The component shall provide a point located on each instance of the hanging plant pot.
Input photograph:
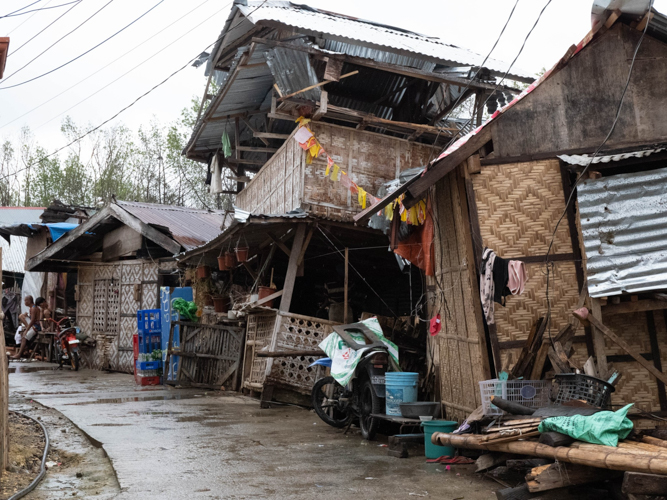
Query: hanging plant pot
(208, 299)
(221, 304)
(242, 254)
(230, 260)
(203, 272)
(222, 263)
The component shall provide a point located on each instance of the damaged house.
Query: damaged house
(315, 115)
(506, 187)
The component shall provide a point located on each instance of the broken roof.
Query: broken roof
(170, 227)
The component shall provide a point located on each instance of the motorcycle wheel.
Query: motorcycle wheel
(74, 360)
(324, 398)
(369, 403)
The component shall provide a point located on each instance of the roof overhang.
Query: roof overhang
(4, 47)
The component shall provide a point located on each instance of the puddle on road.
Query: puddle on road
(134, 399)
(30, 369)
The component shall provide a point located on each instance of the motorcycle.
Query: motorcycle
(364, 395)
(67, 345)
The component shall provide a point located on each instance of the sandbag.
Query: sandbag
(605, 427)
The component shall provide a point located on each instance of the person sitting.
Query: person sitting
(32, 322)
(47, 314)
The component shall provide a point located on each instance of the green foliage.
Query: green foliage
(146, 165)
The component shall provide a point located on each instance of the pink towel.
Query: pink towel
(517, 276)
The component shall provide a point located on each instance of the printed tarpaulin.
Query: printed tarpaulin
(344, 359)
(605, 427)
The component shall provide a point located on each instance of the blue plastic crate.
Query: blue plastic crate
(149, 342)
(149, 365)
(148, 321)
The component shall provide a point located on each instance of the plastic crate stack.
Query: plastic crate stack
(148, 348)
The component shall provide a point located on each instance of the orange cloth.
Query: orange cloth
(418, 247)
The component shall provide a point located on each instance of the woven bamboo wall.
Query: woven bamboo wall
(519, 205)
(456, 350)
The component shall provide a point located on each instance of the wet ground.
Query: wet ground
(185, 443)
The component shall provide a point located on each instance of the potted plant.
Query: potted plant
(242, 251)
(203, 272)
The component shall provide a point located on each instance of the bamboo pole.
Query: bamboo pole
(655, 441)
(606, 458)
(4, 394)
(345, 290)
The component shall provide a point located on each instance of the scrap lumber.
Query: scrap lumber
(555, 439)
(526, 463)
(605, 457)
(655, 441)
(639, 483)
(528, 352)
(540, 360)
(589, 367)
(490, 460)
(511, 406)
(584, 314)
(559, 475)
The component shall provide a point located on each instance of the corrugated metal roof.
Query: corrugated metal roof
(624, 226)
(13, 256)
(346, 28)
(583, 160)
(191, 227)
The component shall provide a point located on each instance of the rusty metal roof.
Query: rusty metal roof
(191, 227)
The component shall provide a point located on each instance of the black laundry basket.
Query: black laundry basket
(576, 386)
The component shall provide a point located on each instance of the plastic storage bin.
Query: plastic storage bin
(530, 393)
(148, 321)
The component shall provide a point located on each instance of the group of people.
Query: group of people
(36, 320)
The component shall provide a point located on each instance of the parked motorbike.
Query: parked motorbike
(67, 345)
(364, 395)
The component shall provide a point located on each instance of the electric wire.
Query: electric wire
(19, 10)
(128, 71)
(40, 9)
(55, 43)
(107, 65)
(26, 20)
(590, 162)
(44, 29)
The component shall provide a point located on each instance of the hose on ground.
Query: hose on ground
(42, 472)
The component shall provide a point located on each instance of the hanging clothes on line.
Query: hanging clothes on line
(216, 175)
(499, 278)
(517, 277)
(486, 285)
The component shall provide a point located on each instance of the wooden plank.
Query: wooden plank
(270, 135)
(309, 236)
(540, 360)
(639, 483)
(366, 214)
(121, 242)
(311, 87)
(584, 314)
(253, 149)
(280, 245)
(490, 460)
(292, 267)
(633, 307)
(266, 299)
(289, 354)
(252, 129)
(598, 339)
(442, 167)
(572, 224)
(149, 232)
(589, 367)
(560, 474)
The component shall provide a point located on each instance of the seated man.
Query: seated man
(32, 323)
(47, 314)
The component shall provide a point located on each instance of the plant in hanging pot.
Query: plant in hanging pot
(203, 272)
(222, 263)
(230, 260)
(221, 303)
(242, 250)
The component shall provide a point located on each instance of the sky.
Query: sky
(175, 31)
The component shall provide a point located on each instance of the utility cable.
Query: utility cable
(56, 42)
(44, 29)
(128, 71)
(19, 10)
(29, 18)
(106, 66)
(37, 10)
(86, 52)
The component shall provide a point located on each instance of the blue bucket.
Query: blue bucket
(401, 387)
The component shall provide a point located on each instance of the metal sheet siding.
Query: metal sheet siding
(624, 227)
(13, 256)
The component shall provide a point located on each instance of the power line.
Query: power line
(29, 18)
(104, 67)
(58, 41)
(37, 10)
(130, 70)
(22, 8)
(44, 29)
(88, 51)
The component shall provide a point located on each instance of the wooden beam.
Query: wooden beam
(290, 354)
(633, 307)
(266, 299)
(639, 483)
(561, 474)
(280, 245)
(322, 110)
(598, 340)
(270, 135)
(149, 232)
(583, 314)
(311, 87)
(252, 149)
(247, 124)
(288, 288)
(657, 362)
(441, 168)
(309, 236)
(366, 214)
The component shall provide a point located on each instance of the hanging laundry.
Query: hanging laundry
(517, 276)
(330, 164)
(346, 181)
(302, 135)
(335, 172)
(500, 279)
(216, 176)
(435, 325)
(486, 285)
(226, 145)
(361, 197)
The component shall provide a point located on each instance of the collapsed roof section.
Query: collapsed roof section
(273, 58)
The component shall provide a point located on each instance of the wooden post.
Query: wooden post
(4, 393)
(598, 340)
(345, 296)
(292, 268)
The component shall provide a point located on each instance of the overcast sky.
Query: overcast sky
(473, 24)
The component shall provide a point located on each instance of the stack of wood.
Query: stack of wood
(528, 463)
